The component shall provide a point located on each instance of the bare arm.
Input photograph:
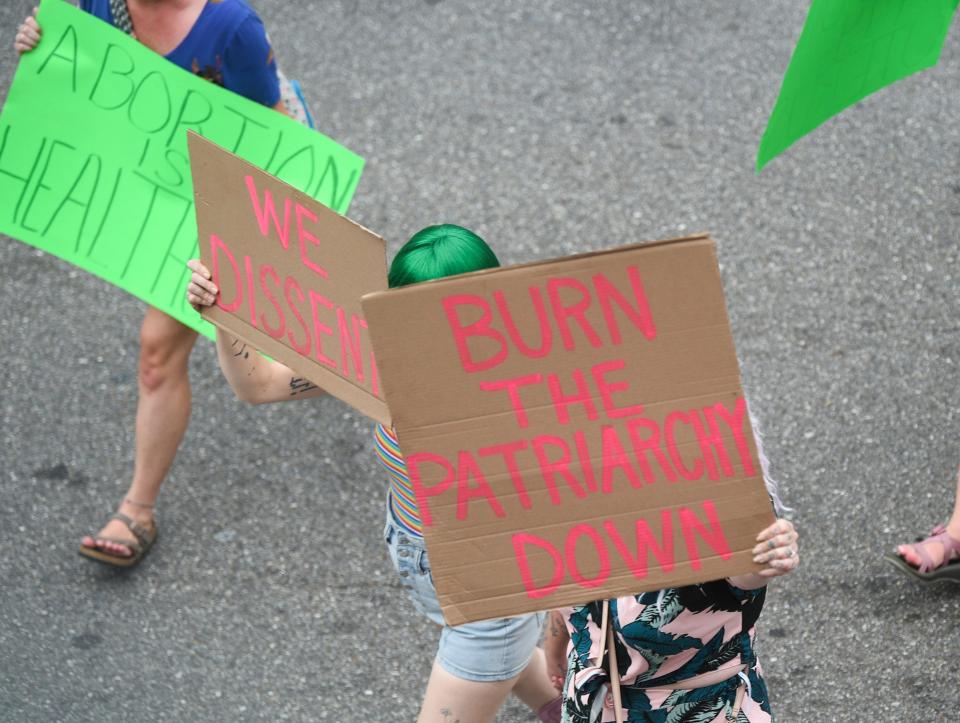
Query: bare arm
(254, 378)
(555, 648)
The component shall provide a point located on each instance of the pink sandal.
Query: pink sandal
(947, 571)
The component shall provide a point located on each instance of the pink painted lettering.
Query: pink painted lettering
(714, 537)
(480, 328)
(268, 212)
(320, 328)
(305, 237)
(603, 571)
(662, 550)
(550, 469)
(216, 246)
(424, 492)
(275, 331)
(513, 390)
(640, 316)
(608, 389)
(561, 402)
(467, 469)
(508, 451)
(576, 310)
(524, 540)
(673, 449)
(291, 285)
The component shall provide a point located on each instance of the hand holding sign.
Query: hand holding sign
(777, 549)
(201, 291)
(28, 34)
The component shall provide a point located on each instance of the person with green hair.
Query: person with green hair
(478, 664)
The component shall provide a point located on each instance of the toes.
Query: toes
(113, 548)
(908, 553)
(913, 557)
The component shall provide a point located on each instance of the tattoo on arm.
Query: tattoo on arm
(243, 349)
(558, 626)
(298, 385)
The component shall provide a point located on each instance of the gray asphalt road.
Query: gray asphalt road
(549, 127)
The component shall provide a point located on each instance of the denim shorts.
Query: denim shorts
(489, 650)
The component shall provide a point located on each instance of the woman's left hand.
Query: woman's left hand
(777, 549)
(201, 291)
(28, 34)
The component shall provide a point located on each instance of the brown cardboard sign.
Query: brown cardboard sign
(573, 429)
(291, 273)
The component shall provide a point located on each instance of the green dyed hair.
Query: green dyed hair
(438, 251)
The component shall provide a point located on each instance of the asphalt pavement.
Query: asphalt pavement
(550, 128)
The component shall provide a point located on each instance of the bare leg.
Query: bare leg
(935, 549)
(450, 699)
(533, 685)
(163, 411)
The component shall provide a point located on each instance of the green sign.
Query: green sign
(93, 156)
(848, 50)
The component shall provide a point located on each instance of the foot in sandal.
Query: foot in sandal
(933, 558)
(126, 537)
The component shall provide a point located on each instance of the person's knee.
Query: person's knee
(163, 358)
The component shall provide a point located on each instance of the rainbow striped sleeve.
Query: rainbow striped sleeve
(403, 503)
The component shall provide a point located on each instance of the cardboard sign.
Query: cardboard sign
(573, 429)
(290, 273)
(93, 155)
(848, 50)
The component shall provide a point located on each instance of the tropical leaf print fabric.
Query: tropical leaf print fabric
(661, 640)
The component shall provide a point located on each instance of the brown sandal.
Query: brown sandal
(145, 538)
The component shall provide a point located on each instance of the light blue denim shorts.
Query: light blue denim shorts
(486, 651)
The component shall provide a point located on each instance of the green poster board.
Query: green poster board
(849, 49)
(93, 156)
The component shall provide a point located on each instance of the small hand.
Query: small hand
(28, 34)
(201, 291)
(777, 548)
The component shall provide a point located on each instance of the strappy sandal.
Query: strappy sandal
(138, 549)
(937, 529)
(947, 571)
